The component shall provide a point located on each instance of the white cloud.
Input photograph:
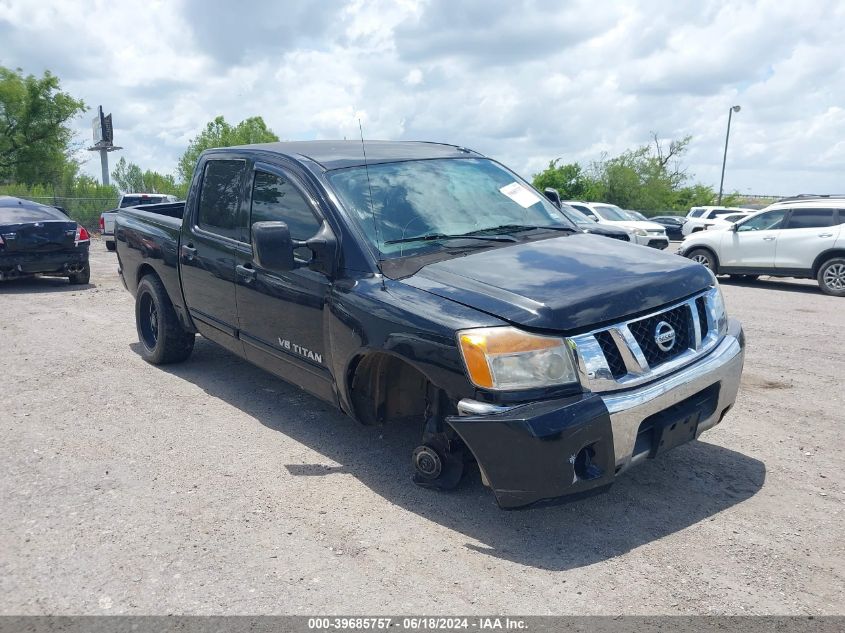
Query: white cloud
(524, 81)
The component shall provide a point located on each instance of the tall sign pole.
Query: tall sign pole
(103, 140)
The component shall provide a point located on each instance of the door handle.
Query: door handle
(825, 234)
(247, 272)
(768, 239)
(188, 252)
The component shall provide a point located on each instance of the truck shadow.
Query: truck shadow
(774, 283)
(35, 285)
(661, 497)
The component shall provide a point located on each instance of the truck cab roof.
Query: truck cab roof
(331, 155)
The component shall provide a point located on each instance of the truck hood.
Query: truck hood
(564, 283)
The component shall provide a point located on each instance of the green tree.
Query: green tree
(650, 178)
(219, 133)
(569, 179)
(129, 177)
(35, 139)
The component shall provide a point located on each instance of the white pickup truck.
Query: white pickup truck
(128, 200)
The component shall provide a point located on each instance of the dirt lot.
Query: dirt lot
(212, 487)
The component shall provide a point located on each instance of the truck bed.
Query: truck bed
(147, 237)
(170, 209)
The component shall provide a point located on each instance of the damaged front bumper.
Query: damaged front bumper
(549, 449)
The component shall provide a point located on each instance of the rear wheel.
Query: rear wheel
(163, 339)
(82, 277)
(703, 257)
(111, 246)
(831, 277)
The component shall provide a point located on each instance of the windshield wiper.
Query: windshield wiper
(514, 228)
(444, 236)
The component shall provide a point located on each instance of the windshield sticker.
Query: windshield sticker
(520, 194)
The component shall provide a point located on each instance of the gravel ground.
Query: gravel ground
(213, 488)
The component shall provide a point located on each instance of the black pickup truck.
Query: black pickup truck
(426, 283)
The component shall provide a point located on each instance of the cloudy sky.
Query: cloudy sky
(522, 81)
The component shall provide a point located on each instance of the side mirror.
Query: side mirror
(594, 218)
(324, 247)
(553, 196)
(734, 227)
(272, 246)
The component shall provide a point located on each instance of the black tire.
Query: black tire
(831, 277)
(111, 246)
(82, 277)
(163, 339)
(704, 257)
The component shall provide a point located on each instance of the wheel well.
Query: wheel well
(385, 388)
(821, 259)
(710, 251)
(143, 271)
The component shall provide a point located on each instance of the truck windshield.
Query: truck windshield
(438, 198)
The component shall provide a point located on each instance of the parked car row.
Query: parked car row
(642, 232)
(673, 224)
(703, 218)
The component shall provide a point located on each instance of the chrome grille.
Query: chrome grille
(611, 352)
(626, 354)
(679, 318)
(701, 308)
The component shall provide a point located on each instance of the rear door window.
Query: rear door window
(220, 197)
(810, 218)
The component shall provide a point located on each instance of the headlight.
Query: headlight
(640, 232)
(508, 358)
(717, 305)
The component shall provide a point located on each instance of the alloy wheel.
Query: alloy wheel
(834, 277)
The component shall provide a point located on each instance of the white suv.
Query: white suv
(644, 233)
(795, 237)
(703, 218)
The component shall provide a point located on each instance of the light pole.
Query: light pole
(731, 110)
